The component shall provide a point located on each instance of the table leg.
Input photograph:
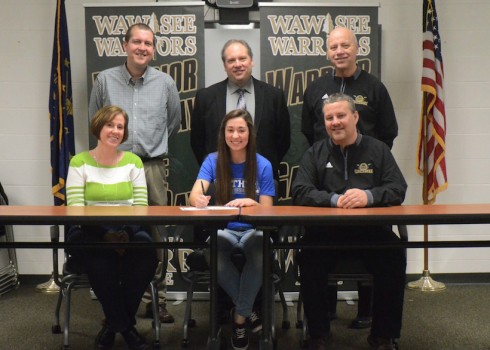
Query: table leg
(213, 341)
(266, 341)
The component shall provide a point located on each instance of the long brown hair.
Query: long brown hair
(223, 167)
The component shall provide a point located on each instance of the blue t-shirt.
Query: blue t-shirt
(264, 183)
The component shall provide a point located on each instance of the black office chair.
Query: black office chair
(74, 277)
(348, 269)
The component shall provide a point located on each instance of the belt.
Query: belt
(149, 159)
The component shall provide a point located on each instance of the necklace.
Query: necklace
(112, 162)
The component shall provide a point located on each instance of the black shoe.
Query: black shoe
(105, 339)
(320, 343)
(165, 316)
(361, 322)
(379, 343)
(134, 340)
(254, 322)
(239, 336)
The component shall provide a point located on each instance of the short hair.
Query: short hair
(236, 41)
(141, 26)
(339, 97)
(351, 34)
(105, 115)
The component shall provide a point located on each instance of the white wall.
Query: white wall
(27, 28)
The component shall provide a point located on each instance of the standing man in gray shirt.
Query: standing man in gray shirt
(152, 102)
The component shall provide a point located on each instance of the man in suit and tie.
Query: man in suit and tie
(265, 103)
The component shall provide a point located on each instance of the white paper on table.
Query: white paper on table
(213, 207)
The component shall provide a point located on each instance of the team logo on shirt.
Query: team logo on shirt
(360, 100)
(364, 168)
(238, 186)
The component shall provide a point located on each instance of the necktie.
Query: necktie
(241, 99)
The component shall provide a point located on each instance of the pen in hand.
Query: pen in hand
(204, 194)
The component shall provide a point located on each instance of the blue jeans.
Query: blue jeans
(241, 287)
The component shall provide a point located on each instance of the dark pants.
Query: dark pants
(119, 281)
(388, 267)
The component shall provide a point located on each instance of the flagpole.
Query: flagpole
(425, 283)
(61, 118)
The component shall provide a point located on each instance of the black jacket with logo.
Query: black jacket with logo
(376, 112)
(367, 165)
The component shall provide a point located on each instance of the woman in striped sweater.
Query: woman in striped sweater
(106, 176)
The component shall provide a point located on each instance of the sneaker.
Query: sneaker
(239, 336)
(254, 322)
(379, 343)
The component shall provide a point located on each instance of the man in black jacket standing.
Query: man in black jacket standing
(265, 103)
(373, 102)
(349, 170)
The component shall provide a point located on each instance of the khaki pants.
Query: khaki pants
(156, 181)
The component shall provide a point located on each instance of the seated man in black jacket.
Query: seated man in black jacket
(349, 170)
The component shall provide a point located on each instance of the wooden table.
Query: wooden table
(404, 214)
(152, 215)
(258, 216)
(58, 215)
(399, 215)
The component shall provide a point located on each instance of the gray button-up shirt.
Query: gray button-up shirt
(152, 103)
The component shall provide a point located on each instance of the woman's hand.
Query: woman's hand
(241, 202)
(198, 197)
(201, 201)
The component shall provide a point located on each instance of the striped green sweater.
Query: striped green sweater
(91, 184)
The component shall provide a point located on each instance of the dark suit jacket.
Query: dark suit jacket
(271, 121)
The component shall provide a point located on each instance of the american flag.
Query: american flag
(431, 151)
(60, 107)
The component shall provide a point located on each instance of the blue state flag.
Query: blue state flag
(60, 107)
